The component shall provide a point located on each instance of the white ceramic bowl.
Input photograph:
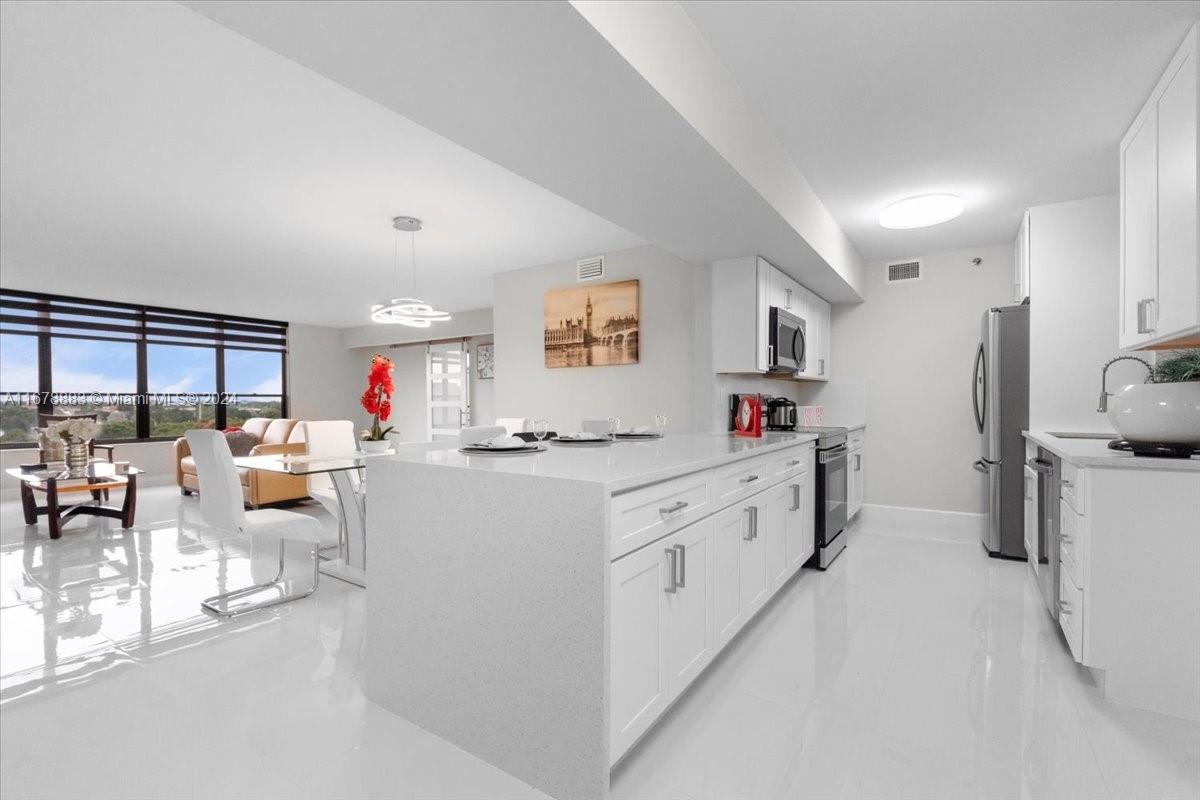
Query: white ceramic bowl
(1157, 412)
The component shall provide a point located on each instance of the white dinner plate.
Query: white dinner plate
(473, 450)
(583, 442)
(636, 436)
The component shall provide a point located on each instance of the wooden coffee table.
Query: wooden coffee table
(56, 480)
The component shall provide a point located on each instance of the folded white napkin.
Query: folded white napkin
(583, 436)
(503, 443)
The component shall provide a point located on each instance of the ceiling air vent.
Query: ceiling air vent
(589, 269)
(904, 271)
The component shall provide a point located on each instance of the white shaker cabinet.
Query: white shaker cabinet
(743, 292)
(1160, 210)
(854, 474)
(1021, 262)
(662, 632)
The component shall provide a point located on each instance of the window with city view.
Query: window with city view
(146, 373)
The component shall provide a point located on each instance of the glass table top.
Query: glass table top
(97, 472)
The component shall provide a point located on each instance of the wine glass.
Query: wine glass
(614, 425)
(540, 427)
(660, 423)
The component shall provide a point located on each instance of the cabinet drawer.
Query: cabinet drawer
(1070, 614)
(1073, 544)
(855, 437)
(643, 515)
(1074, 487)
(793, 462)
(739, 480)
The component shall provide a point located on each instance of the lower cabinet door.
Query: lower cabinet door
(638, 677)
(772, 525)
(730, 527)
(756, 585)
(800, 522)
(687, 613)
(1030, 490)
(854, 482)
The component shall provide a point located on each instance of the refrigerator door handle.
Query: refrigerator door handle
(980, 466)
(979, 381)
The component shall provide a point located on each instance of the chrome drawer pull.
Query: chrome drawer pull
(795, 463)
(795, 497)
(680, 506)
(750, 479)
(752, 530)
(682, 558)
(673, 557)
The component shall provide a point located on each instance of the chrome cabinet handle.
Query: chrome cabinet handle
(795, 497)
(673, 557)
(679, 506)
(770, 355)
(857, 462)
(794, 463)
(752, 529)
(820, 366)
(1064, 607)
(789, 300)
(1065, 482)
(750, 479)
(1143, 315)
(682, 559)
(1067, 539)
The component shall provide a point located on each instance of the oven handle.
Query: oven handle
(833, 454)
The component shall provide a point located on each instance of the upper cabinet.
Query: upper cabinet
(1160, 211)
(744, 291)
(1021, 262)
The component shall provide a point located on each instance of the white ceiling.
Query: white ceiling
(149, 154)
(1008, 104)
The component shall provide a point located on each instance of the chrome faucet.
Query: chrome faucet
(1104, 393)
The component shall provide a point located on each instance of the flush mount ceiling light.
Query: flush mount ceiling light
(406, 310)
(921, 212)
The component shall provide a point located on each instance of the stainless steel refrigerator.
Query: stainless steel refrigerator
(1000, 402)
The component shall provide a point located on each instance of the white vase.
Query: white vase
(1167, 413)
(374, 447)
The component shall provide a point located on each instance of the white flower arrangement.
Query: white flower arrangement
(76, 430)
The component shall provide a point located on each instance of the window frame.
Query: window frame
(227, 332)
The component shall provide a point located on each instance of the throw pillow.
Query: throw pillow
(240, 443)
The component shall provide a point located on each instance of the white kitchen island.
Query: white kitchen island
(543, 611)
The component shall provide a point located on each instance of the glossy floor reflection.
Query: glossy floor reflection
(912, 669)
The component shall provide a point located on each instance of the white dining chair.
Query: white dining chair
(513, 425)
(600, 426)
(333, 437)
(221, 508)
(479, 433)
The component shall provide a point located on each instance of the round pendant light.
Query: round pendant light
(921, 212)
(410, 311)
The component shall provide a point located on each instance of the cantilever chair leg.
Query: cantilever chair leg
(214, 604)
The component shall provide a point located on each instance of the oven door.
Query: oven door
(832, 465)
(788, 341)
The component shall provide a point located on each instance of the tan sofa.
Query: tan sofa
(259, 488)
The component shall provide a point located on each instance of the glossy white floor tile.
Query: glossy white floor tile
(911, 669)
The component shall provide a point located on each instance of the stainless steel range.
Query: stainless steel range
(831, 495)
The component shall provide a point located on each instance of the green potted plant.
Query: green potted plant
(1165, 409)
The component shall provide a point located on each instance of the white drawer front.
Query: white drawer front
(1074, 487)
(855, 437)
(740, 480)
(643, 515)
(793, 462)
(1070, 614)
(1073, 544)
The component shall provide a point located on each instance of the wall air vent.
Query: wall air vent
(589, 269)
(904, 271)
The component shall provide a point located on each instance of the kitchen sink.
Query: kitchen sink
(1063, 435)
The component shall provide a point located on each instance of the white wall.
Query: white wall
(323, 377)
(1074, 280)
(662, 381)
(911, 345)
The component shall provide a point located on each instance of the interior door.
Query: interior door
(448, 388)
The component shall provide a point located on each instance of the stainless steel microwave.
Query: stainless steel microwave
(788, 342)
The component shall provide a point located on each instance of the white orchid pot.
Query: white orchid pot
(1160, 413)
(375, 446)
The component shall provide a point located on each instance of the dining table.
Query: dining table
(350, 565)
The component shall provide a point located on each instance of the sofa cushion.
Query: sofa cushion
(187, 465)
(277, 432)
(240, 443)
(256, 426)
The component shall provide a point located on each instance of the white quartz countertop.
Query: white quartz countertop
(619, 466)
(1095, 453)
